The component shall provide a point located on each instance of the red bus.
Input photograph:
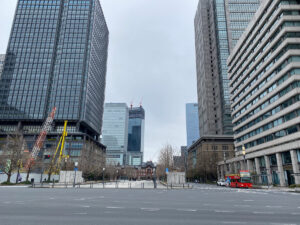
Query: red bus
(241, 180)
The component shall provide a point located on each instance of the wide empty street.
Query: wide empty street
(205, 204)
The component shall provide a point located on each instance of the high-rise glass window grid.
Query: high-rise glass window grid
(2, 58)
(136, 129)
(240, 13)
(56, 56)
(192, 123)
(27, 71)
(134, 134)
(223, 53)
(115, 131)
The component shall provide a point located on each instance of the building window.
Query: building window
(298, 154)
(262, 162)
(273, 160)
(225, 147)
(215, 147)
(286, 158)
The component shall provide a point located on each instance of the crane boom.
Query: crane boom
(42, 136)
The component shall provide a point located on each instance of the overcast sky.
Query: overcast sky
(151, 60)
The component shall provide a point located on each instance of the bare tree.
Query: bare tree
(92, 160)
(12, 152)
(165, 160)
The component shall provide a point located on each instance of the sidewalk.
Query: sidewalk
(272, 188)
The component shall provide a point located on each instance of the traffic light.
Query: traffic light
(47, 156)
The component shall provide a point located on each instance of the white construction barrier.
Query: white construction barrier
(176, 178)
(68, 177)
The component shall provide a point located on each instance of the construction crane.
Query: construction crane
(55, 165)
(41, 139)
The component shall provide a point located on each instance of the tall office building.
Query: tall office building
(2, 58)
(238, 13)
(192, 123)
(264, 72)
(208, 76)
(136, 130)
(56, 56)
(115, 132)
(218, 25)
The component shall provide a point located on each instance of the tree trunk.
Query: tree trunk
(8, 177)
(18, 174)
(28, 172)
(49, 174)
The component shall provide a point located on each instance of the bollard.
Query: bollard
(130, 185)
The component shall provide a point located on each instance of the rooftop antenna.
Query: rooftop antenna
(141, 102)
(131, 104)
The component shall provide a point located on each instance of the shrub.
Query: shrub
(7, 183)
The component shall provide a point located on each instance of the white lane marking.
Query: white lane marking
(6, 202)
(273, 206)
(248, 200)
(299, 207)
(232, 222)
(295, 214)
(224, 211)
(86, 206)
(79, 213)
(263, 212)
(150, 209)
(283, 224)
(242, 205)
(79, 199)
(114, 207)
(51, 198)
(187, 210)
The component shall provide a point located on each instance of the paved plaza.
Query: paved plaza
(205, 204)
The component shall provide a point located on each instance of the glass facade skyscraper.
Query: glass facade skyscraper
(56, 56)
(115, 132)
(192, 123)
(136, 126)
(239, 14)
(223, 53)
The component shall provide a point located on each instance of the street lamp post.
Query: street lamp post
(103, 169)
(244, 155)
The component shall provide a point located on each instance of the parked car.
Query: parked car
(221, 182)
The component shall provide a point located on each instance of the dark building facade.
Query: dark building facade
(56, 56)
(2, 59)
(136, 126)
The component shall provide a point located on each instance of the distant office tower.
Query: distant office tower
(264, 72)
(56, 56)
(136, 127)
(238, 13)
(192, 123)
(2, 58)
(115, 132)
(215, 20)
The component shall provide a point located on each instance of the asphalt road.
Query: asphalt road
(204, 204)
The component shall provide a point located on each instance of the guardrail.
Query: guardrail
(114, 185)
